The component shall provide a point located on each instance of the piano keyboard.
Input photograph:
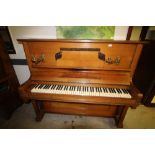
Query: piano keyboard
(81, 90)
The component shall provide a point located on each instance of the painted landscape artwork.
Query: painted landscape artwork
(85, 32)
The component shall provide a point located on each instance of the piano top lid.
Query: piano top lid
(82, 41)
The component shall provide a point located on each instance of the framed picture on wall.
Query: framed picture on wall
(85, 32)
(4, 33)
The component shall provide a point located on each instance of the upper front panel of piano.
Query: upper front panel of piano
(83, 55)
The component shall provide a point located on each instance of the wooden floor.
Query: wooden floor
(24, 117)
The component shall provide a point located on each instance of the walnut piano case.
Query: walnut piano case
(81, 64)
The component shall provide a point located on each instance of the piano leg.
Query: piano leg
(120, 116)
(38, 109)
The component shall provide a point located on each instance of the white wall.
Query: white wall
(22, 72)
(121, 32)
(19, 32)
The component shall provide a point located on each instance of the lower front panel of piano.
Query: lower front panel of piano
(116, 111)
(80, 109)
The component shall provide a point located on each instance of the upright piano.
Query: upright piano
(81, 77)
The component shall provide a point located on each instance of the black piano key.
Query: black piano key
(57, 87)
(35, 86)
(113, 90)
(100, 90)
(79, 88)
(47, 86)
(53, 87)
(124, 91)
(70, 88)
(109, 90)
(106, 90)
(128, 91)
(60, 88)
(40, 86)
(87, 89)
(44, 87)
(96, 89)
(118, 91)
